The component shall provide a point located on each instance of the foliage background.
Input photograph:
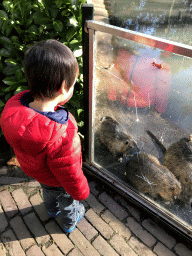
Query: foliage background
(25, 22)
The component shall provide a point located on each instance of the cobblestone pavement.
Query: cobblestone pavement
(111, 226)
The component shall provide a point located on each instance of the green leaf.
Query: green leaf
(41, 18)
(5, 53)
(7, 96)
(20, 89)
(8, 5)
(70, 34)
(58, 25)
(18, 75)
(74, 41)
(2, 104)
(29, 21)
(5, 41)
(24, 80)
(80, 124)
(15, 39)
(75, 104)
(3, 15)
(47, 4)
(59, 3)
(1, 66)
(33, 30)
(54, 11)
(66, 13)
(10, 70)
(8, 28)
(7, 89)
(9, 81)
(11, 61)
(79, 111)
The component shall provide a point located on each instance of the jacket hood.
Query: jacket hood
(61, 115)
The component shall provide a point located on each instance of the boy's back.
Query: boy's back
(47, 150)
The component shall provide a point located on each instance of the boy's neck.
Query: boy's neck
(44, 105)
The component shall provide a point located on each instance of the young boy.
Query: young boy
(43, 134)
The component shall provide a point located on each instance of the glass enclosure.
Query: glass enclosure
(141, 122)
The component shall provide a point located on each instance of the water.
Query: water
(166, 19)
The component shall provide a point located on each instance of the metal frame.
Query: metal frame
(91, 91)
(91, 27)
(153, 41)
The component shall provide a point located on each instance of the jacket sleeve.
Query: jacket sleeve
(64, 159)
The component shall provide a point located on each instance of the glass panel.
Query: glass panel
(166, 19)
(142, 122)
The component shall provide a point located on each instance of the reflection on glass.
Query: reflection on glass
(166, 19)
(143, 122)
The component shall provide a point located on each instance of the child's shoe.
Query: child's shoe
(81, 211)
(53, 215)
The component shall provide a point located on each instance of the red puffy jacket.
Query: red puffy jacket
(46, 150)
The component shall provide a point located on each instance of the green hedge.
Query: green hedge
(24, 22)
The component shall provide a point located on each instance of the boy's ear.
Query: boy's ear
(63, 87)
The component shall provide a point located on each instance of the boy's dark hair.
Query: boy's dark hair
(47, 64)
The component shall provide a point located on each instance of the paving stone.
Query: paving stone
(34, 184)
(93, 190)
(103, 247)
(141, 233)
(99, 224)
(11, 180)
(38, 203)
(139, 247)
(64, 244)
(82, 243)
(13, 162)
(75, 252)
(3, 220)
(3, 251)
(85, 204)
(113, 206)
(134, 212)
(59, 221)
(87, 230)
(161, 250)
(52, 250)
(159, 233)
(34, 251)
(182, 250)
(116, 225)
(121, 246)
(12, 244)
(95, 205)
(22, 232)
(8, 203)
(3, 170)
(36, 228)
(22, 201)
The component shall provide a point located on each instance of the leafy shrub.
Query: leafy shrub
(25, 22)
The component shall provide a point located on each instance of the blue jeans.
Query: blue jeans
(55, 199)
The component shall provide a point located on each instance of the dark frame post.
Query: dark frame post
(87, 14)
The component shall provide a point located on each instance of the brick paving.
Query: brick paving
(111, 226)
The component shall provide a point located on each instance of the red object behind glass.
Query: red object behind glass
(147, 81)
